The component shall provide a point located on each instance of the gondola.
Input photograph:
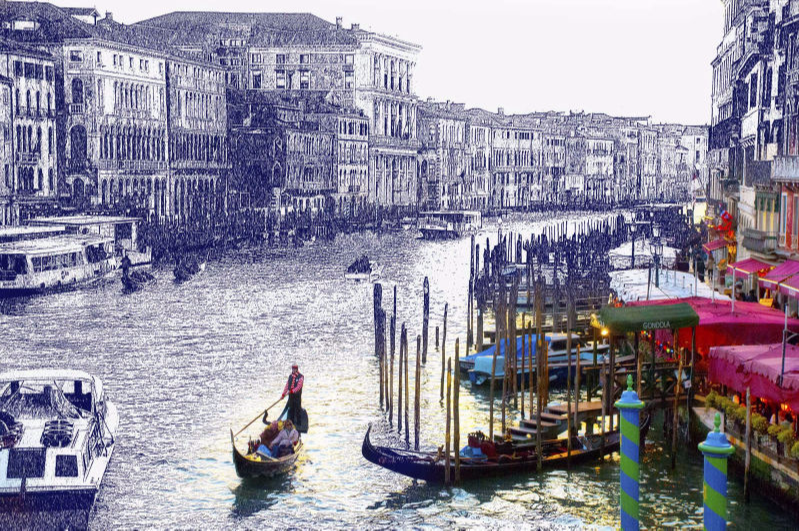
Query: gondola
(253, 465)
(512, 459)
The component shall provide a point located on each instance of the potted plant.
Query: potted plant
(759, 426)
(787, 439)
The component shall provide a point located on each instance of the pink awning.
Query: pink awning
(709, 247)
(758, 367)
(779, 274)
(744, 268)
(751, 324)
(791, 287)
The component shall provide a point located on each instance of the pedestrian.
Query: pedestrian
(294, 390)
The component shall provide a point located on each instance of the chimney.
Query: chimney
(356, 27)
(109, 16)
(339, 22)
(501, 111)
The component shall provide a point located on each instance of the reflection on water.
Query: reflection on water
(187, 362)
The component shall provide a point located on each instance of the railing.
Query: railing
(28, 158)
(76, 108)
(785, 168)
(762, 241)
(135, 166)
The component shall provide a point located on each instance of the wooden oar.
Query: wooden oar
(257, 417)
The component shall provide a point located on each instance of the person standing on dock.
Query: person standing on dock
(294, 390)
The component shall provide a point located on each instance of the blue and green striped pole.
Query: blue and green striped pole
(630, 407)
(717, 450)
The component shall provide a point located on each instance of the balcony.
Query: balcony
(785, 169)
(761, 242)
(28, 158)
(76, 108)
(133, 166)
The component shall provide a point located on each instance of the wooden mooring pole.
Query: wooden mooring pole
(444, 349)
(456, 413)
(400, 371)
(748, 458)
(417, 395)
(677, 386)
(407, 393)
(447, 432)
(425, 318)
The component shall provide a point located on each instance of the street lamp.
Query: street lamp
(657, 250)
(632, 233)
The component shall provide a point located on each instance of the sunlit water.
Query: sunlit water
(186, 362)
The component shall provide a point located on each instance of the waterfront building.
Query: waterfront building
(283, 162)
(8, 212)
(197, 152)
(443, 130)
(479, 147)
(31, 168)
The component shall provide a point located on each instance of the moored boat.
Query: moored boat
(504, 459)
(57, 434)
(53, 264)
(449, 224)
(364, 270)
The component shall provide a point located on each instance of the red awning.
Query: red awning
(758, 367)
(709, 247)
(744, 268)
(779, 274)
(751, 324)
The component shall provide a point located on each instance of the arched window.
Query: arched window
(77, 137)
(19, 139)
(17, 102)
(50, 141)
(28, 101)
(39, 140)
(40, 180)
(38, 103)
(77, 90)
(50, 181)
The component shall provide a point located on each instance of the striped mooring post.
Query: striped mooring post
(630, 406)
(717, 450)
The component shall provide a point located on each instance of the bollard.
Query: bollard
(717, 450)
(630, 406)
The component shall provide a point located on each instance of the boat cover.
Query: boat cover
(634, 319)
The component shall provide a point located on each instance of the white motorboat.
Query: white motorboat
(57, 434)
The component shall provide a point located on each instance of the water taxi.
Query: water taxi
(446, 224)
(57, 432)
(52, 264)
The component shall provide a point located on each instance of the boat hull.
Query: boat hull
(47, 500)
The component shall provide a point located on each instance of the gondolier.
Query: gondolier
(294, 390)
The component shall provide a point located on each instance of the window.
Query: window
(76, 56)
(27, 462)
(304, 59)
(349, 80)
(66, 466)
(30, 70)
(280, 79)
(280, 59)
(160, 68)
(18, 68)
(305, 80)
(753, 92)
(130, 61)
(256, 80)
(141, 64)
(116, 60)
(783, 212)
(256, 59)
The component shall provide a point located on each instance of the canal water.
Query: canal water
(185, 363)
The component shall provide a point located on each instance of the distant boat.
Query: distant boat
(449, 224)
(53, 264)
(364, 270)
(185, 270)
(57, 434)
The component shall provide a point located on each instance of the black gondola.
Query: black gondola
(429, 466)
(253, 465)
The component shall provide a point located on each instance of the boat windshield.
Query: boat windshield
(38, 400)
(13, 263)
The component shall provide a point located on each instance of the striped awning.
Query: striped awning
(709, 247)
(747, 267)
(779, 274)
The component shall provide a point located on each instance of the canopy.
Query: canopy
(634, 319)
(714, 245)
(744, 268)
(779, 274)
(637, 285)
(751, 324)
(790, 287)
(758, 367)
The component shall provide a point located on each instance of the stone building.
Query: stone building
(31, 177)
(443, 131)
(8, 209)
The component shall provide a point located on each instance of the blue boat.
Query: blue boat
(482, 362)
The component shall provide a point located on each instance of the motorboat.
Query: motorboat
(57, 435)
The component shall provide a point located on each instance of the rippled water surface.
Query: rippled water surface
(186, 362)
